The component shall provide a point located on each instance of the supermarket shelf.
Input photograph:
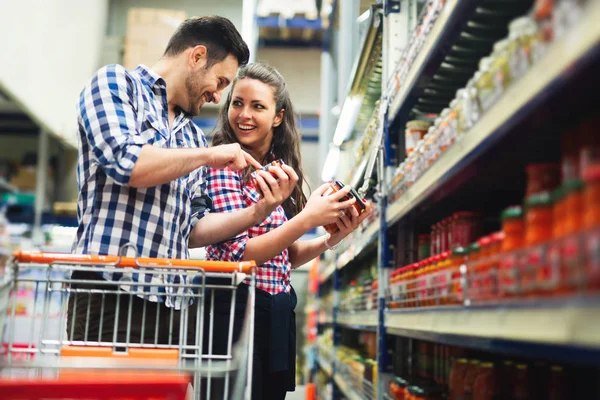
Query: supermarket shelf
(327, 272)
(325, 366)
(447, 26)
(361, 320)
(346, 388)
(563, 60)
(326, 319)
(550, 328)
(361, 243)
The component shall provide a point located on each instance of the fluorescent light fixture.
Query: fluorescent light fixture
(347, 119)
(331, 163)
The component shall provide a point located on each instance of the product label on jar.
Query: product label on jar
(593, 257)
(508, 275)
(572, 261)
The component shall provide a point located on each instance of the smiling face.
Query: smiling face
(253, 115)
(206, 85)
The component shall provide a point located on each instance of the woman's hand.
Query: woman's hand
(275, 189)
(348, 225)
(323, 210)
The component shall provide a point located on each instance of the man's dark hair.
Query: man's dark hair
(217, 34)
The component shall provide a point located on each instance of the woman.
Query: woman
(259, 115)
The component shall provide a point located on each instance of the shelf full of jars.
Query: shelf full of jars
(489, 281)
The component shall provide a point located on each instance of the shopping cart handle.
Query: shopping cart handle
(33, 257)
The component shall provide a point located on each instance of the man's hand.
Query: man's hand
(232, 156)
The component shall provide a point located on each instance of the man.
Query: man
(141, 169)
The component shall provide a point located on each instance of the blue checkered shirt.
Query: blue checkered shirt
(120, 111)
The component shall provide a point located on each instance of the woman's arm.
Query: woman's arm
(302, 252)
(318, 211)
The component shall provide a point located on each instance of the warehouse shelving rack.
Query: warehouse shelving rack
(523, 328)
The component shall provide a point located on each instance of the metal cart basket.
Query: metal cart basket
(160, 329)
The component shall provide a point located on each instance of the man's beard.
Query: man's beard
(194, 98)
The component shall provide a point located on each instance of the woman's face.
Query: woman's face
(253, 115)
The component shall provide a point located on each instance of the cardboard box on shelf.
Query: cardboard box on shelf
(148, 32)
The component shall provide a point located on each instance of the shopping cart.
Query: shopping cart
(50, 352)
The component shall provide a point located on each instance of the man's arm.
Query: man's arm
(156, 166)
(108, 112)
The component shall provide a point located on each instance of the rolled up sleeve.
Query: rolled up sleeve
(108, 114)
(225, 189)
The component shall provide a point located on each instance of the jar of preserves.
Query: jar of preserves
(485, 387)
(472, 371)
(500, 68)
(456, 384)
(415, 132)
(513, 227)
(538, 219)
(521, 34)
(457, 281)
(473, 255)
(542, 178)
(524, 385)
(398, 388)
(485, 84)
(591, 196)
(466, 227)
(558, 212)
(591, 222)
(411, 284)
(574, 206)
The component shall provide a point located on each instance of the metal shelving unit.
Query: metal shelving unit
(564, 59)
(361, 320)
(554, 329)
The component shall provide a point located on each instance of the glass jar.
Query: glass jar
(470, 376)
(573, 206)
(500, 67)
(485, 387)
(485, 84)
(415, 132)
(521, 34)
(558, 212)
(524, 385)
(456, 380)
(538, 219)
(465, 228)
(513, 227)
(472, 108)
(457, 261)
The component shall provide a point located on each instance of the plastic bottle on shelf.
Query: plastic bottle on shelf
(559, 212)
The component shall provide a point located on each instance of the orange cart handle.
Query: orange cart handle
(208, 266)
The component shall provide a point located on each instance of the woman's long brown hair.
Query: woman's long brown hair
(286, 138)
